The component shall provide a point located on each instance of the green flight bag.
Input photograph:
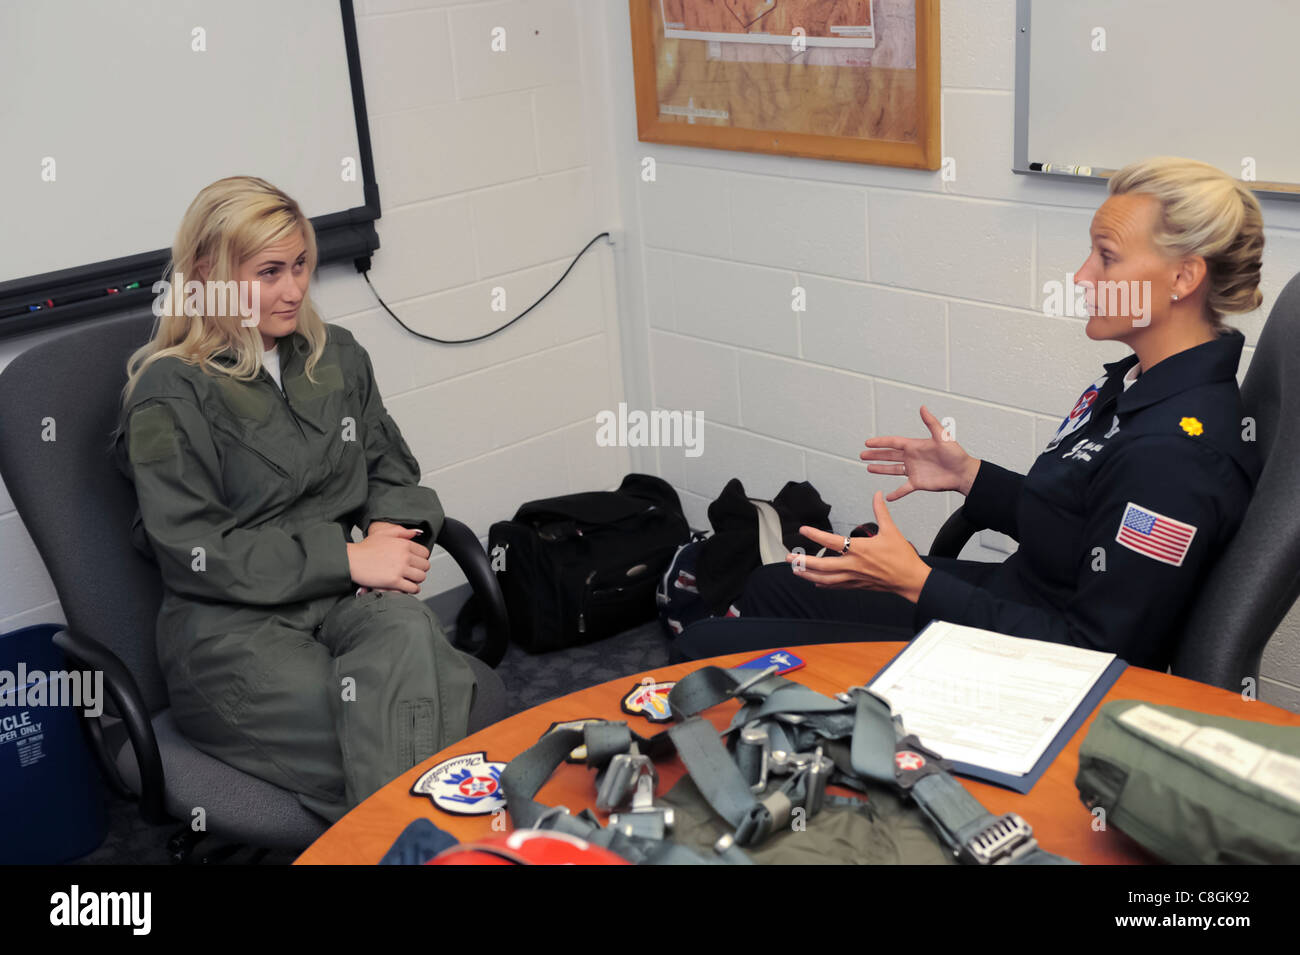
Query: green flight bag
(1194, 788)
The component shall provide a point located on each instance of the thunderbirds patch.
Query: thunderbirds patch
(466, 785)
(1078, 415)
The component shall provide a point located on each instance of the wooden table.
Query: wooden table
(1061, 822)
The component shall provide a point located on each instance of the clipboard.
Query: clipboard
(1023, 784)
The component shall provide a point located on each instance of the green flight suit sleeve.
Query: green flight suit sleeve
(200, 548)
(395, 492)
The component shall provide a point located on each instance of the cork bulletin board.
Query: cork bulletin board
(853, 80)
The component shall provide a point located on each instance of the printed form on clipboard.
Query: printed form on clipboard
(999, 708)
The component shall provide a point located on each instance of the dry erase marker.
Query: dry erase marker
(1069, 169)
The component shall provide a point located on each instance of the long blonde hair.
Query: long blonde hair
(1204, 211)
(228, 222)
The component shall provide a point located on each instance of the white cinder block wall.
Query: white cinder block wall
(918, 291)
(484, 160)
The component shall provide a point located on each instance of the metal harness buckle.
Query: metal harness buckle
(815, 767)
(634, 773)
(1003, 840)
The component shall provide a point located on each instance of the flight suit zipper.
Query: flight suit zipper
(285, 398)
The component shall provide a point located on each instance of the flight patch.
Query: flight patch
(151, 435)
(649, 700)
(783, 660)
(1154, 535)
(466, 785)
(328, 378)
(243, 399)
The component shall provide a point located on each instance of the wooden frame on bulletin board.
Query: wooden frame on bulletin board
(793, 102)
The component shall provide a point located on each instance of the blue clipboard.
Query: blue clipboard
(1022, 784)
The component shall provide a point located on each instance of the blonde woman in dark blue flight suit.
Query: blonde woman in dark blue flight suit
(1142, 487)
(289, 651)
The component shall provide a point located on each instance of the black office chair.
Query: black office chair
(1254, 583)
(78, 509)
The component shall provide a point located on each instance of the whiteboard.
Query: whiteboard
(137, 121)
(1207, 80)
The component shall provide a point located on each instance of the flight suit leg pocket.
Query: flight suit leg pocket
(417, 723)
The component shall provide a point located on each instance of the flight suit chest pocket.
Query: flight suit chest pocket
(257, 475)
(334, 429)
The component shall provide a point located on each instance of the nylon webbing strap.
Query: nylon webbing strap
(605, 741)
(874, 735)
(973, 832)
(956, 811)
(951, 807)
(529, 771)
(719, 781)
(704, 689)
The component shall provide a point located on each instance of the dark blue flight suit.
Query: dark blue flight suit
(1118, 520)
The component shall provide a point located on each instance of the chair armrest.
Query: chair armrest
(459, 541)
(953, 536)
(125, 694)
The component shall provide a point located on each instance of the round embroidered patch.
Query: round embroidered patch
(466, 785)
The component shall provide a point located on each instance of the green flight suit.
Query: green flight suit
(248, 496)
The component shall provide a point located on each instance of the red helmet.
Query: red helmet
(528, 847)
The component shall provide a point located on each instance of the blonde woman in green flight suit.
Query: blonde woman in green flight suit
(289, 651)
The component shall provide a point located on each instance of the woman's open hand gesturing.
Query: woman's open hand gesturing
(936, 463)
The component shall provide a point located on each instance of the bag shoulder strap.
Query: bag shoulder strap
(771, 546)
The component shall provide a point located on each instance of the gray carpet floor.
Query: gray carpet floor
(529, 680)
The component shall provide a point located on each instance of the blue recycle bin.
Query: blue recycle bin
(51, 796)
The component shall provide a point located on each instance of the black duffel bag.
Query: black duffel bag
(580, 567)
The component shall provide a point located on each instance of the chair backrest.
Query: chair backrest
(59, 404)
(1257, 579)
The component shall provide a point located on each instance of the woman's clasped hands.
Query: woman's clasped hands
(388, 559)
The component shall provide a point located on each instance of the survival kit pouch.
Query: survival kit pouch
(580, 567)
(757, 791)
(1192, 787)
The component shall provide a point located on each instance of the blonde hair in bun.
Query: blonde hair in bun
(1205, 212)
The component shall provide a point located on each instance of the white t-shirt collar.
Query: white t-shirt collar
(271, 361)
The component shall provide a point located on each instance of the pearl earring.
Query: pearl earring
(1175, 298)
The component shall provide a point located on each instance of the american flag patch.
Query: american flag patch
(1158, 537)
